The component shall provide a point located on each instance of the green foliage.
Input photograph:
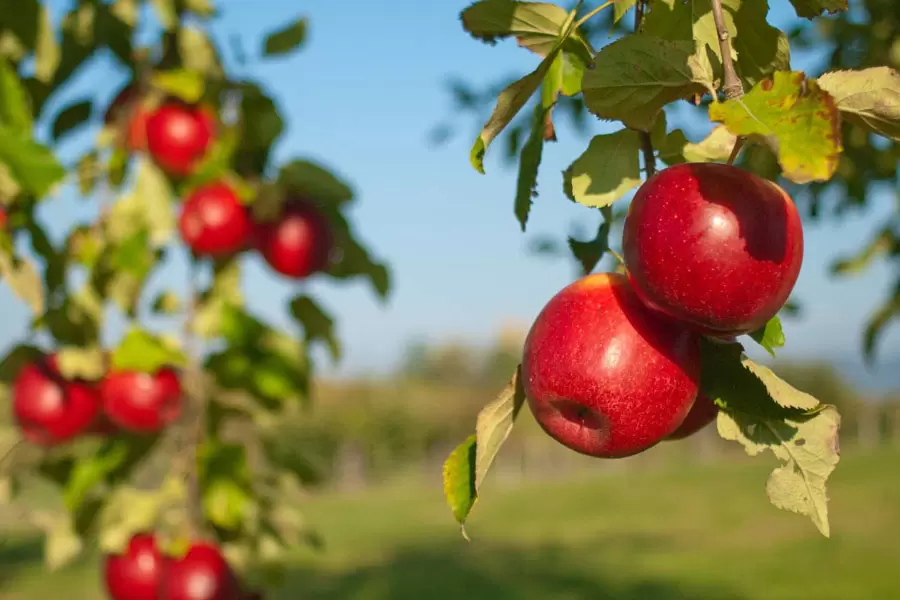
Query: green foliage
(770, 336)
(607, 170)
(113, 484)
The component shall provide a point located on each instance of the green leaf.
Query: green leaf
(535, 25)
(814, 8)
(869, 98)
(81, 363)
(529, 161)
(589, 253)
(62, 544)
(88, 171)
(620, 7)
(793, 117)
(23, 279)
(204, 8)
(459, 481)
(91, 470)
(15, 359)
(317, 324)
(142, 351)
(287, 39)
(509, 103)
(166, 303)
(198, 54)
(636, 76)
(31, 165)
(762, 412)
(770, 336)
(225, 503)
(758, 48)
(181, 83)
(15, 107)
(72, 116)
(313, 181)
(165, 11)
(716, 147)
(47, 52)
(463, 473)
(128, 511)
(606, 171)
(153, 193)
(216, 302)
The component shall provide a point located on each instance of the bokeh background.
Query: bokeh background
(369, 96)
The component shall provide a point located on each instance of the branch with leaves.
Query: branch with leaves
(159, 444)
(675, 52)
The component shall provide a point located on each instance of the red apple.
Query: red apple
(50, 410)
(141, 402)
(298, 243)
(214, 222)
(178, 136)
(138, 573)
(202, 574)
(3, 218)
(714, 246)
(604, 375)
(702, 414)
(136, 132)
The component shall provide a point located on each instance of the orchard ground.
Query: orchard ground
(671, 532)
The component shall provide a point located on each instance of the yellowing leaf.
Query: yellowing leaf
(795, 118)
(81, 363)
(869, 97)
(636, 76)
(24, 280)
(762, 412)
(61, 543)
(606, 171)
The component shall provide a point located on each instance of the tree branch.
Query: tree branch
(646, 142)
(732, 85)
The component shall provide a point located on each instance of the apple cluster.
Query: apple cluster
(144, 572)
(612, 363)
(51, 410)
(214, 221)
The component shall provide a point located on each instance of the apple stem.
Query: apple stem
(738, 144)
(646, 141)
(732, 85)
(617, 256)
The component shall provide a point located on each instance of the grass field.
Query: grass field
(698, 533)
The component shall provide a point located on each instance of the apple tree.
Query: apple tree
(158, 442)
(712, 241)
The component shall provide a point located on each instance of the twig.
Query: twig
(194, 420)
(591, 14)
(732, 87)
(738, 144)
(646, 141)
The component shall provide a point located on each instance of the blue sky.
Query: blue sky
(361, 98)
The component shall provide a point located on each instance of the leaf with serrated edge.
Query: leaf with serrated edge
(636, 76)
(758, 49)
(495, 422)
(535, 25)
(770, 336)
(606, 171)
(869, 98)
(459, 480)
(529, 162)
(814, 8)
(763, 412)
(620, 8)
(795, 118)
(509, 103)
